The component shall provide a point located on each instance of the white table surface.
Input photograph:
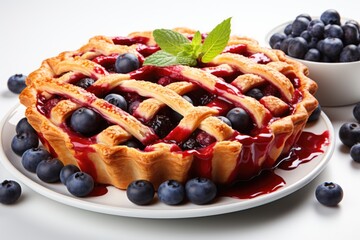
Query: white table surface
(31, 31)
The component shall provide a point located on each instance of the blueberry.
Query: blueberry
(126, 63)
(117, 100)
(205, 99)
(187, 98)
(200, 190)
(350, 53)
(330, 16)
(32, 157)
(332, 47)
(24, 141)
(317, 30)
(67, 171)
(80, 184)
(299, 25)
(288, 29)
(275, 38)
(315, 114)
(313, 42)
(349, 133)
(354, 22)
(320, 45)
(312, 23)
(285, 44)
(313, 55)
(85, 121)
(306, 35)
(297, 47)
(239, 118)
(355, 152)
(204, 139)
(140, 192)
(177, 116)
(190, 144)
(356, 112)
(161, 124)
(133, 143)
(334, 31)
(351, 34)
(255, 93)
(49, 170)
(10, 192)
(24, 126)
(85, 82)
(16, 83)
(171, 192)
(225, 120)
(305, 15)
(329, 193)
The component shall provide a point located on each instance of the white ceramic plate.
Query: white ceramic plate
(115, 201)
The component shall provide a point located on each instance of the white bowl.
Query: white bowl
(339, 83)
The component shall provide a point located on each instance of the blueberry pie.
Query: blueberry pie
(101, 108)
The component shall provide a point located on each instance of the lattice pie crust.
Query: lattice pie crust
(278, 120)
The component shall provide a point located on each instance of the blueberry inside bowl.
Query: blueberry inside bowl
(330, 47)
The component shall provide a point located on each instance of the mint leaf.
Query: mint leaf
(196, 39)
(216, 41)
(196, 44)
(186, 58)
(170, 41)
(161, 58)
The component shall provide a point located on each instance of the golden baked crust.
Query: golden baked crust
(50, 98)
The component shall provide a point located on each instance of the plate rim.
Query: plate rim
(175, 212)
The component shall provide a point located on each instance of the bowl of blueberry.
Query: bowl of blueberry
(329, 45)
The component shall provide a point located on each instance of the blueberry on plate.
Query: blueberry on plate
(200, 190)
(140, 192)
(16, 83)
(85, 121)
(355, 152)
(171, 192)
(49, 170)
(67, 171)
(24, 141)
(10, 192)
(80, 184)
(24, 126)
(315, 114)
(126, 63)
(329, 193)
(32, 157)
(349, 133)
(356, 112)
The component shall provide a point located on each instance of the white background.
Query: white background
(31, 31)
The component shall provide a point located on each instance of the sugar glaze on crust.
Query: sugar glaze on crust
(278, 120)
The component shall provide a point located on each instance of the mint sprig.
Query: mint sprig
(177, 49)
